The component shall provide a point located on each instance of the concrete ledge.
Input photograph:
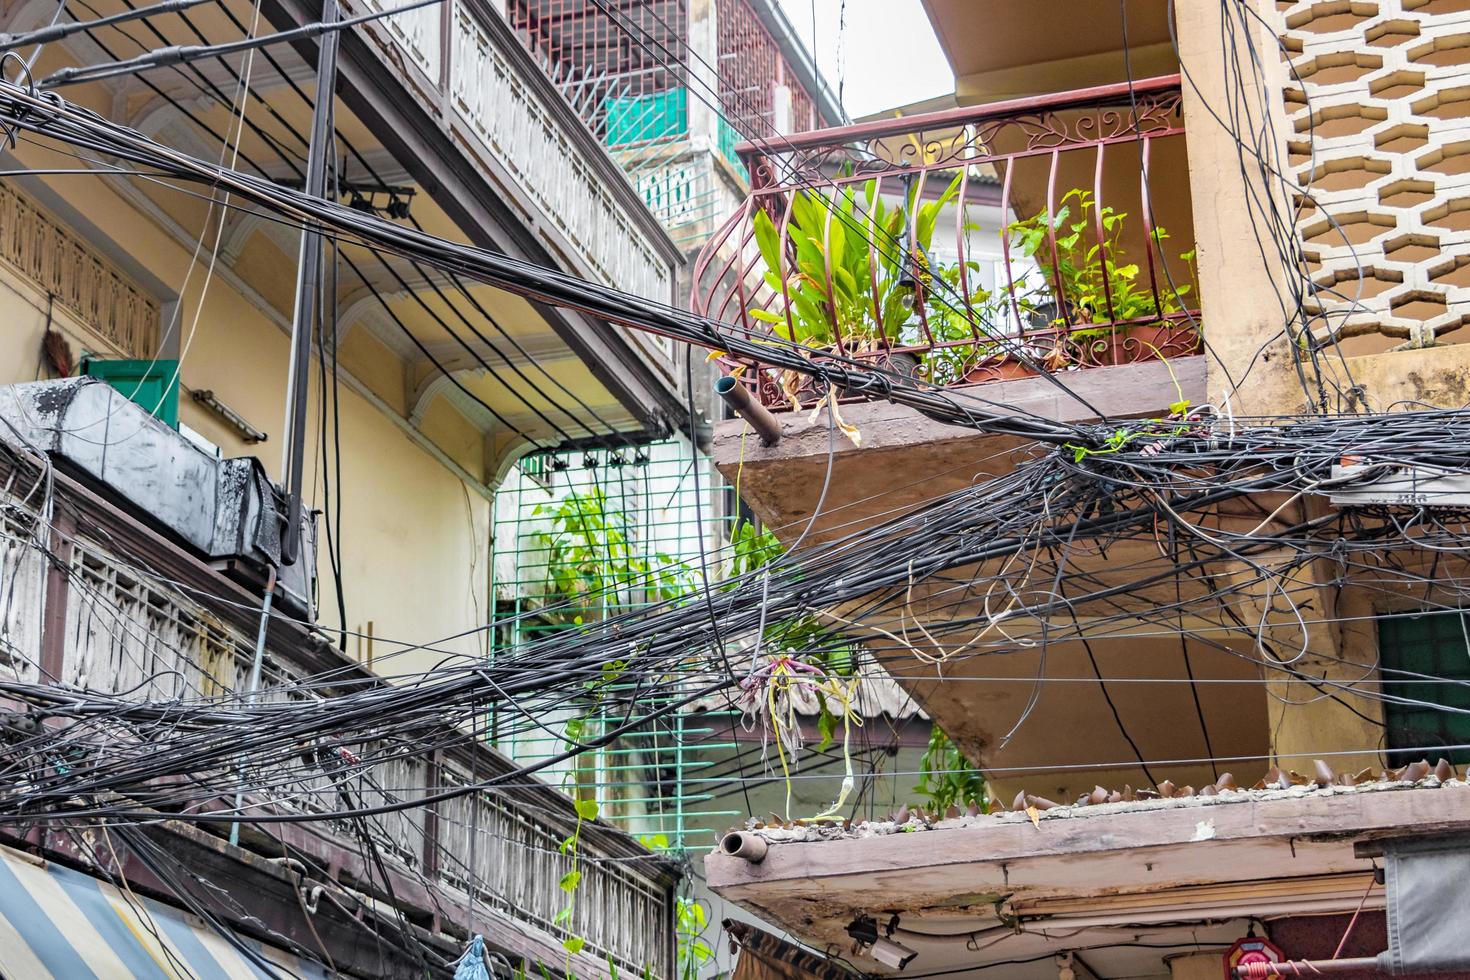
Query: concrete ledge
(907, 458)
(1105, 849)
(1125, 391)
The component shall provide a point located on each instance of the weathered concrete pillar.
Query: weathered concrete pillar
(704, 58)
(1244, 289)
(1314, 636)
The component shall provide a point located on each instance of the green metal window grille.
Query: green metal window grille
(728, 137)
(652, 117)
(615, 530)
(1436, 645)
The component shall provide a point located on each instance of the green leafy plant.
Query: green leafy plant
(983, 318)
(1097, 282)
(751, 549)
(841, 270)
(572, 880)
(947, 778)
(849, 264)
(690, 923)
(594, 564)
(595, 567)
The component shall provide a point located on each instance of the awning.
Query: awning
(60, 923)
(767, 957)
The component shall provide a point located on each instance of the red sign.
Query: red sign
(1249, 952)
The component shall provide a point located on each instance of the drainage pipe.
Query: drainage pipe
(741, 844)
(737, 396)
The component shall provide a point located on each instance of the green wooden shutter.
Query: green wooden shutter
(153, 385)
(1435, 644)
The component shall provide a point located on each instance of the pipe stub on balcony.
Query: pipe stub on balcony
(742, 844)
(737, 396)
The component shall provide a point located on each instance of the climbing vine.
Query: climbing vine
(572, 880)
(947, 778)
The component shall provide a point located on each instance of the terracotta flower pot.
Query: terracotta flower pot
(1002, 367)
(905, 363)
(1132, 345)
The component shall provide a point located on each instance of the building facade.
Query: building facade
(170, 308)
(1213, 216)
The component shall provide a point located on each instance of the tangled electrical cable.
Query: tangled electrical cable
(1076, 542)
(1022, 539)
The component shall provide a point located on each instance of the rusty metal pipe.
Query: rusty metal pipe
(1306, 968)
(737, 396)
(742, 844)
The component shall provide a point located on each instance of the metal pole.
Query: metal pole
(252, 684)
(308, 284)
(1305, 968)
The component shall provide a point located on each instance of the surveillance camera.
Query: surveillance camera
(892, 954)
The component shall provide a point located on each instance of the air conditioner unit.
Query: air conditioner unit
(225, 510)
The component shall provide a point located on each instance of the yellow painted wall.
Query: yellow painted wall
(414, 536)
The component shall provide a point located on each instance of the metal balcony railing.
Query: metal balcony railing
(95, 601)
(966, 246)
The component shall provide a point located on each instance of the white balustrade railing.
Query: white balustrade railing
(419, 32)
(519, 128)
(518, 865)
(510, 114)
(79, 279)
(130, 632)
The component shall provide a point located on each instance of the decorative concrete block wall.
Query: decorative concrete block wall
(1377, 102)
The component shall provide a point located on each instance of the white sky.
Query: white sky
(889, 54)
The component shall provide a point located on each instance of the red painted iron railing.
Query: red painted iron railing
(626, 68)
(875, 246)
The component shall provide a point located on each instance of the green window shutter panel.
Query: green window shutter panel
(153, 385)
(655, 117)
(728, 137)
(1434, 644)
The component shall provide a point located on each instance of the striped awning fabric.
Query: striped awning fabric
(60, 923)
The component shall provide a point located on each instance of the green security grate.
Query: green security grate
(728, 137)
(581, 535)
(1436, 645)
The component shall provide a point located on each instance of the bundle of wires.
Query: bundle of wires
(1021, 537)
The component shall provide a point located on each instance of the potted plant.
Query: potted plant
(970, 341)
(1114, 318)
(847, 268)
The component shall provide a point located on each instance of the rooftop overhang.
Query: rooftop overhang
(1014, 48)
(1168, 874)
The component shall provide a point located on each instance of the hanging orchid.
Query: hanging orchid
(772, 695)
